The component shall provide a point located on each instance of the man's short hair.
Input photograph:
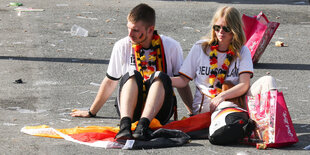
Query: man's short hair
(144, 13)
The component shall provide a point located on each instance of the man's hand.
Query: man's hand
(79, 113)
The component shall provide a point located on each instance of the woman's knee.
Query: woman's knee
(268, 78)
(262, 85)
(269, 81)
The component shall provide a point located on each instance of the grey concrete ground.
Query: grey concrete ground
(61, 71)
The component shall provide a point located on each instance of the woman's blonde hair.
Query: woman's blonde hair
(233, 20)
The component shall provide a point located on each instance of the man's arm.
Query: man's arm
(106, 89)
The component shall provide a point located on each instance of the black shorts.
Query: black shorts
(169, 104)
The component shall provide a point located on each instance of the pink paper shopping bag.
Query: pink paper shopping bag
(258, 31)
(274, 126)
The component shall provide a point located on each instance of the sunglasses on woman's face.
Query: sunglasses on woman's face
(218, 28)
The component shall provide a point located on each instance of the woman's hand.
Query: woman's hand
(215, 102)
(79, 113)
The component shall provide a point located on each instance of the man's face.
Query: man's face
(137, 32)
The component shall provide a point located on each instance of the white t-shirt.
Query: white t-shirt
(196, 67)
(122, 59)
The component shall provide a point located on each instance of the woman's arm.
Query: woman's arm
(236, 91)
(179, 81)
(187, 97)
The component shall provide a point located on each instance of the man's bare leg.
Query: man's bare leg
(128, 102)
(128, 98)
(154, 102)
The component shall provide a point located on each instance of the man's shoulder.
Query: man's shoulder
(123, 41)
(168, 40)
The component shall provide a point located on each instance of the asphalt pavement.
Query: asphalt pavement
(61, 72)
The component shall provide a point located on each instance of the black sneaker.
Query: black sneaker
(142, 132)
(124, 134)
(125, 129)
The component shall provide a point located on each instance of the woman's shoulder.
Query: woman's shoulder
(200, 42)
(244, 50)
(197, 46)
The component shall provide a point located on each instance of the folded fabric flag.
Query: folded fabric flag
(169, 135)
(194, 123)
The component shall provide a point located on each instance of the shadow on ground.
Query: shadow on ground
(289, 2)
(68, 60)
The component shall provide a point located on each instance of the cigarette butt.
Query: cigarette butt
(261, 146)
(74, 110)
(279, 43)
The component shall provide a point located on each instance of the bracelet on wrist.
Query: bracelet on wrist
(90, 114)
(190, 114)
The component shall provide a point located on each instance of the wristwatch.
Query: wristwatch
(90, 114)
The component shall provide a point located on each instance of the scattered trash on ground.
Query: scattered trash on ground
(18, 43)
(82, 17)
(299, 3)
(49, 83)
(242, 153)
(307, 147)
(279, 43)
(283, 88)
(62, 5)
(95, 84)
(304, 22)
(187, 28)
(110, 19)
(66, 120)
(78, 31)
(279, 80)
(303, 126)
(9, 124)
(88, 12)
(75, 60)
(23, 9)
(15, 4)
(303, 100)
(84, 92)
(19, 81)
(26, 111)
(110, 38)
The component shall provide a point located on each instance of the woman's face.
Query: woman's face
(223, 33)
